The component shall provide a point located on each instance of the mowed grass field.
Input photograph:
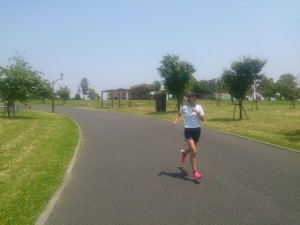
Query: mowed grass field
(274, 123)
(35, 151)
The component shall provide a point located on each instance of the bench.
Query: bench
(23, 107)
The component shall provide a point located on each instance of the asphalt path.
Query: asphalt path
(129, 171)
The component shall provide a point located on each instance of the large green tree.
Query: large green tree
(241, 76)
(177, 77)
(18, 82)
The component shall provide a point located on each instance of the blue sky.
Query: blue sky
(118, 43)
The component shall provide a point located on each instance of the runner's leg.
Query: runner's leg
(192, 151)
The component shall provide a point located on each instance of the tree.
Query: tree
(18, 82)
(241, 76)
(77, 95)
(266, 87)
(201, 87)
(254, 92)
(177, 77)
(63, 93)
(156, 86)
(219, 88)
(93, 95)
(288, 87)
(45, 90)
(84, 84)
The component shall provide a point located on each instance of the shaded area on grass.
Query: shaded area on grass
(22, 117)
(222, 120)
(292, 136)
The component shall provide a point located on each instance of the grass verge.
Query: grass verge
(36, 148)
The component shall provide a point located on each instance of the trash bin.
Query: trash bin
(161, 103)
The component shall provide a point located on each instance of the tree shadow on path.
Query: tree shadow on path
(181, 175)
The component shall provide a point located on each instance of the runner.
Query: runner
(192, 114)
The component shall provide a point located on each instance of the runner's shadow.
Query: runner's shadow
(181, 175)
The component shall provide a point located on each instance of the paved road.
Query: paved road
(129, 172)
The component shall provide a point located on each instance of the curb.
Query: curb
(44, 216)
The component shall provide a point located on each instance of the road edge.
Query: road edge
(45, 214)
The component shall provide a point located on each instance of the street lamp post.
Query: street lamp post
(53, 82)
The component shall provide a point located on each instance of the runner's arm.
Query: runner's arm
(200, 114)
(201, 117)
(176, 119)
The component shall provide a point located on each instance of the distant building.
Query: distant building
(212, 82)
(136, 92)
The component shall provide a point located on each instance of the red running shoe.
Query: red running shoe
(197, 175)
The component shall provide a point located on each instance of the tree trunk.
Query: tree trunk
(8, 109)
(241, 108)
(219, 98)
(179, 103)
(293, 104)
(257, 102)
(11, 109)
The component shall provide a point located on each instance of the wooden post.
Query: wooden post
(129, 98)
(245, 112)
(119, 99)
(242, 109)
(234, 110)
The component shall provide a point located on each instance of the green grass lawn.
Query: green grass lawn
(35, 150)
(274, 123)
